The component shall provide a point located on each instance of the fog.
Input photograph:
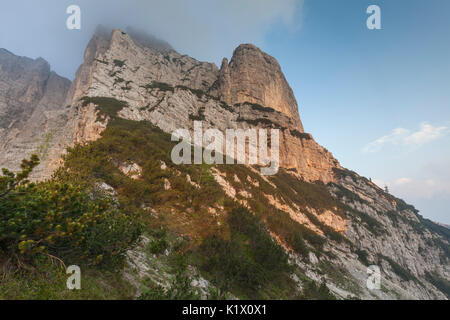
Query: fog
(205, 29)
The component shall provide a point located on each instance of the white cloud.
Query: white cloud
(428, 189)
(425, 189)
(426, 133)
(208, 30)
(379, 183)
(204, 29)
(403, 181)
(420, 188)
(396, 183)
(405, 137)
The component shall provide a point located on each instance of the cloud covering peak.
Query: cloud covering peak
(206, 30)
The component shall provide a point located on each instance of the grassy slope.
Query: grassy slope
(224, 248)
(183, 210)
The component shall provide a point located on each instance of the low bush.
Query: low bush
(403, 273)
(107, 107)
(313, 292)
(440, 283)
(249, 260)
(159, 85)
(60, 219)
(158, 246)
(119, 63)
(179, 288)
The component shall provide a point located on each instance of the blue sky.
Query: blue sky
(378, 99)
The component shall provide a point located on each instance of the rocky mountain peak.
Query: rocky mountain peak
(31, 112)
(21, 67)
(256, 77)
(171, 90)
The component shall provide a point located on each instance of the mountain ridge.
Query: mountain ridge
(122, 85)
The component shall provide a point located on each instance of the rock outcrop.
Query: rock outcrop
(254, 76)
(392, 234)
(32, 112)
(172, 90)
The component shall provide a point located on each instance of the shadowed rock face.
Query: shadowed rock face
(254, 76)
(31, 107)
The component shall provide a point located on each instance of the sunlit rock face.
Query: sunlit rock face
(254, 76)
(171, 90)
(159, 85)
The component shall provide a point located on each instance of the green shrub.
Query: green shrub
(197, 92)
(293, 233)
(180, 287)
(119, 63)
(258, 107)
(159, 85)
(102, 61)
(228, 261)
(440, 283)
(154, 292)
(398, 269)
(298, 244)
(249, 260)
(226, 106)
(363, 256)
(313, 292)
(107, 107)
(301, 135)
(343, 193)
(158, 246)
(371, 223)
(259, 121)
(60, 219)
(305, 194)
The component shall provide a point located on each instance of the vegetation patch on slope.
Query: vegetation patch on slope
(106, 107)
(249, 261)
(230, 245)
(48, 225)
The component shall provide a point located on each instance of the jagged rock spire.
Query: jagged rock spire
(256, 77)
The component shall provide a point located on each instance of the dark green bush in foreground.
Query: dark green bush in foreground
(60, 220)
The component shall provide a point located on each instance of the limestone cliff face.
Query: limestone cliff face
(170, 90)
(42, 112)
(31, 109)
(254, 76)
(394, 236)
